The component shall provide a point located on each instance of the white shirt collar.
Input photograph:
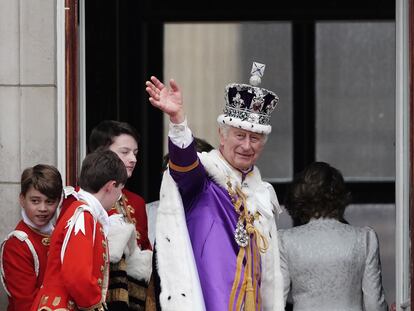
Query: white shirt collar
(46, 229)
(97, 208)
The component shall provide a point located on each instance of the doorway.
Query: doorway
(332, 66)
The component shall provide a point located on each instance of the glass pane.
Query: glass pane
(355, 98)
(382, 219)
(204, 57)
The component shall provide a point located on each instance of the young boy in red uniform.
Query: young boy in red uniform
(76, 277)
(24, 252)
(129, 271)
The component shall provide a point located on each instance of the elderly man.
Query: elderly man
(216, 233)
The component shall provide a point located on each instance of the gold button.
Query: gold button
(56, 301)
(100, 282)
(44, 299)
(105, 258)
(104, 243)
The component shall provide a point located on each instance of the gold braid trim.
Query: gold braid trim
(137, 291)
(261, 240)
(183, 169)
(247, 290)
(123, 207)
(242, 293)
(239, 265)
(119, 293)
(127, 208)
(97, 307)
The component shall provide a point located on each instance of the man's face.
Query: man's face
(241, 148)
(38, 207)
(126, 147)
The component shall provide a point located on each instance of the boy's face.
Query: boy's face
(113, 194)
(38, 207)
(126, 148)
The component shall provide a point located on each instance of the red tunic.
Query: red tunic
(19, 267)
(136, 207)
(81, 279)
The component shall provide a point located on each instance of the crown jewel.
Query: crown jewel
(248, 106)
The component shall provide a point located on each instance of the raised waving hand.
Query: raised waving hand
(167, 99)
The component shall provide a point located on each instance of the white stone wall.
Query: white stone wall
(27, 99)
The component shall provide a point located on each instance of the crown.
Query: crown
(248, 106)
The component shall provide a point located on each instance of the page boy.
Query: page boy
(129, 271)
(77, 270)
(24, 251)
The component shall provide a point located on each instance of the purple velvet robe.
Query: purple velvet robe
(211, 221)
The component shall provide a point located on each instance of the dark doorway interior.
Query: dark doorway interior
(124, 46)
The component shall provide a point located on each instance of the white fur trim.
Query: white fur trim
(139, 264)
(272, 280)
(273, 198)
(180, 284)
(245, 125)
(118, 237)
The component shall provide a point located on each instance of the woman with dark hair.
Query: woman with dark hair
(326, 263)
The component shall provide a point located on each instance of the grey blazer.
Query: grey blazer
(331, 266)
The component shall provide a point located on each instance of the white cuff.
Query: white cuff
(180, 134)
